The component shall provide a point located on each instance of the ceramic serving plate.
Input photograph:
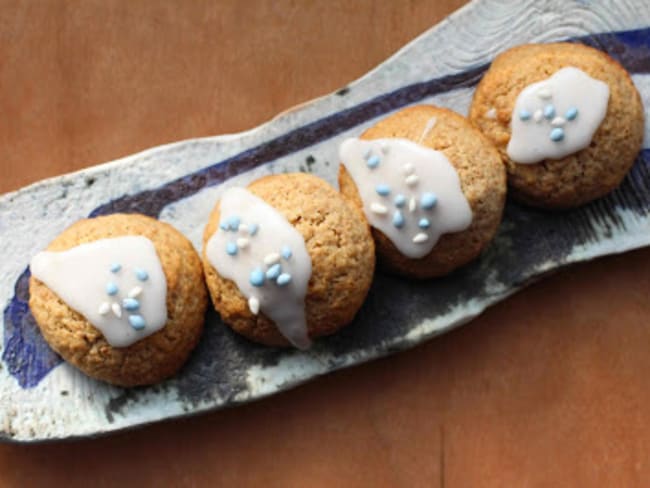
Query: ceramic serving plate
(42, 398)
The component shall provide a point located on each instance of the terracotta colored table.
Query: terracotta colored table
(549, 388)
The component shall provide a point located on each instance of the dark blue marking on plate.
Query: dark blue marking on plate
(27, 355)
(29, 358)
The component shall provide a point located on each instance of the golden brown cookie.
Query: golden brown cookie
(337, 241)
(482, 180)
(586, 174)
(152, 358)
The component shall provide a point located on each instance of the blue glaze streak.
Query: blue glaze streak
(29, 359)
(27, 356)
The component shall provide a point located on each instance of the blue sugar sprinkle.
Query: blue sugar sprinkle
(549, 111)
(141, 274)
(257, 277)
(253, 228)
(373, 161)
(286, 252)
(399, 200)
(398, 219)
(233, 222)
(557, 134)
(137, 322)
(383, 190)
(424, 223)
(111, 288)
(224, 225)
(428, 201)
(131, 304)
(283, 279)
(116, 267)
(274, 271)
(571, 113)
(524, 114)
(231, 248)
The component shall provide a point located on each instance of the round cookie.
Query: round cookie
(482, 181)
(336, 241)
(154, 357)
(583, 175)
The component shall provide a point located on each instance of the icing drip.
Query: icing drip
(427, 128)
(420, 197)
(117, 284)
(273, 268)
(557, 117)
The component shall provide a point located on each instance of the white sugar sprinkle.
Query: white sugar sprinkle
(558, 122)
(243, 228)
(412, 205)
(491, 114)
(271, 258)
(420, 237)
(384, 148)
(135, 292)
(408, 168)
(242, 242)
(254, 305)
(104, 308)
(412, 180)
(544, 93)
(117, 310)
(538, 115)
(378, 208)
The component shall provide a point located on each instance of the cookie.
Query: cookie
(431, 185)
(566, 118)
(286, 260)
(120, 297)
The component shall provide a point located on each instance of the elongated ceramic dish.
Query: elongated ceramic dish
(43, 398)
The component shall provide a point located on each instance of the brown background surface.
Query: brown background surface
(549, 388)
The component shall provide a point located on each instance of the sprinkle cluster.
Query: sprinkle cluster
(403, 205)
(549, 113)
(270, 270)
(244, 231)
(130, 303)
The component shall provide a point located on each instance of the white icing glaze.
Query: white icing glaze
(531, 140)
(282, 303)
(412, 171)
(491, 113)
(81, 277)
(431, 123)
